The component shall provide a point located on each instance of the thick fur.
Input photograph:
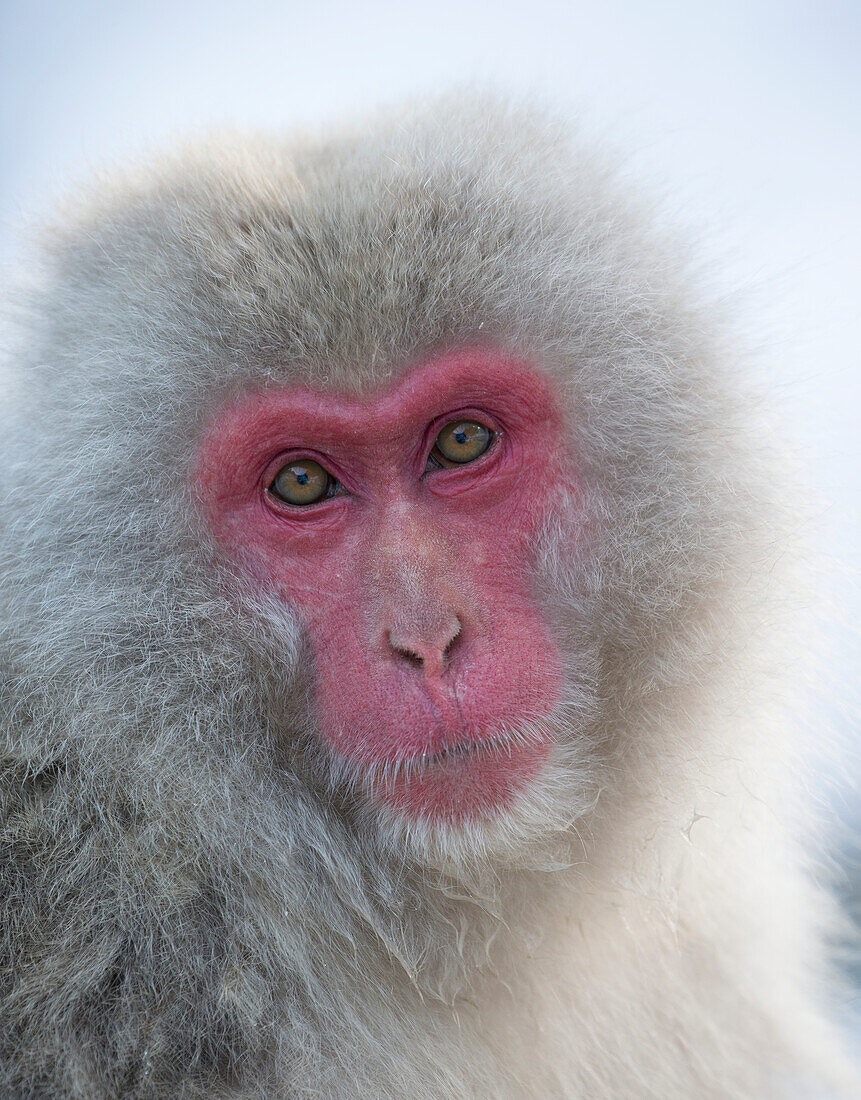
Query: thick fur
(197, 901)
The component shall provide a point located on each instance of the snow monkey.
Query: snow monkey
(384, 546)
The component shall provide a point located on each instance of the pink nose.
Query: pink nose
(427, 649)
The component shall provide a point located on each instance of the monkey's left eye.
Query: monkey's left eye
(461, 441)
(302, 482)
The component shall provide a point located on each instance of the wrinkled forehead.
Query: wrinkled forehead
(509, 385)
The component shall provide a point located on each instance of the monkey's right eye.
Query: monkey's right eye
(302, 482)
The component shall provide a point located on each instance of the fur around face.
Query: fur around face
(196, 900)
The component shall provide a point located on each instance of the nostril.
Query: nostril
(406, 652)
(411, 658)
(450, 644)
(428, 651)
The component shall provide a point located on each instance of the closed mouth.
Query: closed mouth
(459, 751)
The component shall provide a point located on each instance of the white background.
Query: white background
(744, 115)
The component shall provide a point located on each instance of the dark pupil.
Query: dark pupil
(460, 436)
(301, 477)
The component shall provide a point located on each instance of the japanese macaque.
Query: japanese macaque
(389, 709)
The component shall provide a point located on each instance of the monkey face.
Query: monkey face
(399, 526)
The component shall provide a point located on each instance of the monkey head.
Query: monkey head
(402, 451)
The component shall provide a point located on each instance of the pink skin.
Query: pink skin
(413, 583)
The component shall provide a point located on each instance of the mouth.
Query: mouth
(468, 780)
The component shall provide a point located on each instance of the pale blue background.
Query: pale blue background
(746, 115)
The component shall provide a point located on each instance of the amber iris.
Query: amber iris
(301, 482)
(461, 441)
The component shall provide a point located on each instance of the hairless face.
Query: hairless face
(398, 526)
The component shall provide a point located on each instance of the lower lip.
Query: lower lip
(468, 784)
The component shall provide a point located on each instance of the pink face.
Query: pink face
(411, 569)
